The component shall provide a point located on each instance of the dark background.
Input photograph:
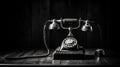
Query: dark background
(26, 19)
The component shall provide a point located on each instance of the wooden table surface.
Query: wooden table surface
(49, 59)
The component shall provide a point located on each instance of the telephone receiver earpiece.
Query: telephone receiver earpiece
(54, 25)
(87, 27)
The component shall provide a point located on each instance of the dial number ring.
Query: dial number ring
(69, 42)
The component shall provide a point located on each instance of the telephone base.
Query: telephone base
(68, 54)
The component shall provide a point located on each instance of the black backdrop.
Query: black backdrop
(26, 19)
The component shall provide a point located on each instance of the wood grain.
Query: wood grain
(45, 60)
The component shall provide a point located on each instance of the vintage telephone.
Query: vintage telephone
(69, 48)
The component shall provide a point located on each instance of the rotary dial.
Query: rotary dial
(70, 42)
